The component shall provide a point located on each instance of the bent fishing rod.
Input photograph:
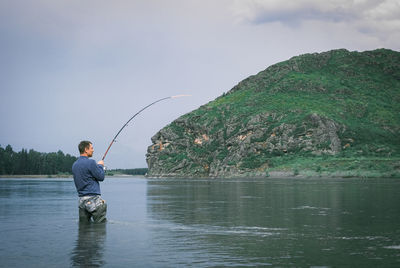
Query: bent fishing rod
(141, 110)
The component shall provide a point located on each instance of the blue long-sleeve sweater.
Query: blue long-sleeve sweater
(87, 174)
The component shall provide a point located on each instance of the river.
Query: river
(316, 222)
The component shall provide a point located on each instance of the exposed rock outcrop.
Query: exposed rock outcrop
(333, 103)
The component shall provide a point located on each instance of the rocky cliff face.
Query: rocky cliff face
(333, 103)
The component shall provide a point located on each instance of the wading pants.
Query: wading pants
(92, 207)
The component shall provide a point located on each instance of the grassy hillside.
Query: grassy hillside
(337, 111)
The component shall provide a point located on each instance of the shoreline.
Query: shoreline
(34, 176)
(45, 176)
(276, 174)
(284, 174)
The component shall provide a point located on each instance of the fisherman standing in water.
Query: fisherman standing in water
(87, 175)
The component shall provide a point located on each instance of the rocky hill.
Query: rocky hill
(336, 110)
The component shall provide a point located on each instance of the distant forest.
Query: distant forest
(133, 171)
(34, 163)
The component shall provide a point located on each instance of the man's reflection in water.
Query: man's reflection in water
(89, 247)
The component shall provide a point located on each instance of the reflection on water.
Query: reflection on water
(204, 223)
(279, 222)
(89, 246)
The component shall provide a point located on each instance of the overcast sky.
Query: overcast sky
(79, 69)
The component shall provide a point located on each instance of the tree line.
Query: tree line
(132, 171)
(34, 163)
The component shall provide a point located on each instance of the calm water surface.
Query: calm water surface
(204, 223)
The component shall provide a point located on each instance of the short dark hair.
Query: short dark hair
(83, 145)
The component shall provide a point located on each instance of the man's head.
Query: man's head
(86, 148)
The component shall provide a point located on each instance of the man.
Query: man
(87, 175)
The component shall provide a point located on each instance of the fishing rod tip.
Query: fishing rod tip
(182, 95)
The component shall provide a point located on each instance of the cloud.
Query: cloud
(380, 17)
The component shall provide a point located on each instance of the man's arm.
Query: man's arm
(97, 170)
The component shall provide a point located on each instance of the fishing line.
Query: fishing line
(141, 110)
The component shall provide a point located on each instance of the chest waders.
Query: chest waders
(92, 207)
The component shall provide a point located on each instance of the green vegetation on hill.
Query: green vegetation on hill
(333, 112)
